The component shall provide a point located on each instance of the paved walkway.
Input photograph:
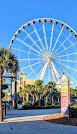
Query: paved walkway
(31, 122)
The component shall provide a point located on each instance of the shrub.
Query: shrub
(36, 103)
(73, 112)
(28, 103)
(51, 106)
(40, 107)
(74, 106)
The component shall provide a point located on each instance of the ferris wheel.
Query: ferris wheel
(46, 47)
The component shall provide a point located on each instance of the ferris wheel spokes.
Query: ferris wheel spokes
(66, 55)
(32, 40)
(31, 65)
(26, 52)
(28, 45)
(39, 38)
(30, 59)
(57, 39)
(67, 66)
(36, 68)
(40, 72)
(67, 60)
(66, 48)
(45, 36)
(62, 44)
(51, 36)
(65, 72)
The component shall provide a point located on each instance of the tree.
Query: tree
(13, 66)
(51, 87)
(6, 97)
(4, 87)
(33, 93)
(6, 64)
(4, 54)
(23, 94)
(46, 93)
(28, 91)
(73, 92)
(39, 89)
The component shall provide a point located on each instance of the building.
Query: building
(23, 81)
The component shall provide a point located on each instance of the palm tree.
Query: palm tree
(72, 91)
(28, 91)
(46, 93)
(23, 94)
(33, 93)
(51, 87)
(6, 64)
(13, 65)
(6, 97)
(4, 54)
(4, 87)
(39, 89)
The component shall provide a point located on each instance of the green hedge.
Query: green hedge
(40, 107)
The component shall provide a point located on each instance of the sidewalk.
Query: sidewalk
(25, 122)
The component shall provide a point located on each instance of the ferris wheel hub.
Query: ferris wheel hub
(49, 59)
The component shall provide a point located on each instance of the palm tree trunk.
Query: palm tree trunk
(0, 96)
(36, 98)
(40, 100)
(23, 99)
(58, 100)
(46, 99)
(27, 97)
(33, 100)
(52, 100)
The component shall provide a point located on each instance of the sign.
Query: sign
(64, 95)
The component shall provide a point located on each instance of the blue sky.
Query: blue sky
(14, 13)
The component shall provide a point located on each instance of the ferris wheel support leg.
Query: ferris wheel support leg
(57, 74)
(43, 71)
(53, 73)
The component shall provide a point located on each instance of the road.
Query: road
(31, 122)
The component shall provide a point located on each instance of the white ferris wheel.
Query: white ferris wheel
(46, 47)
